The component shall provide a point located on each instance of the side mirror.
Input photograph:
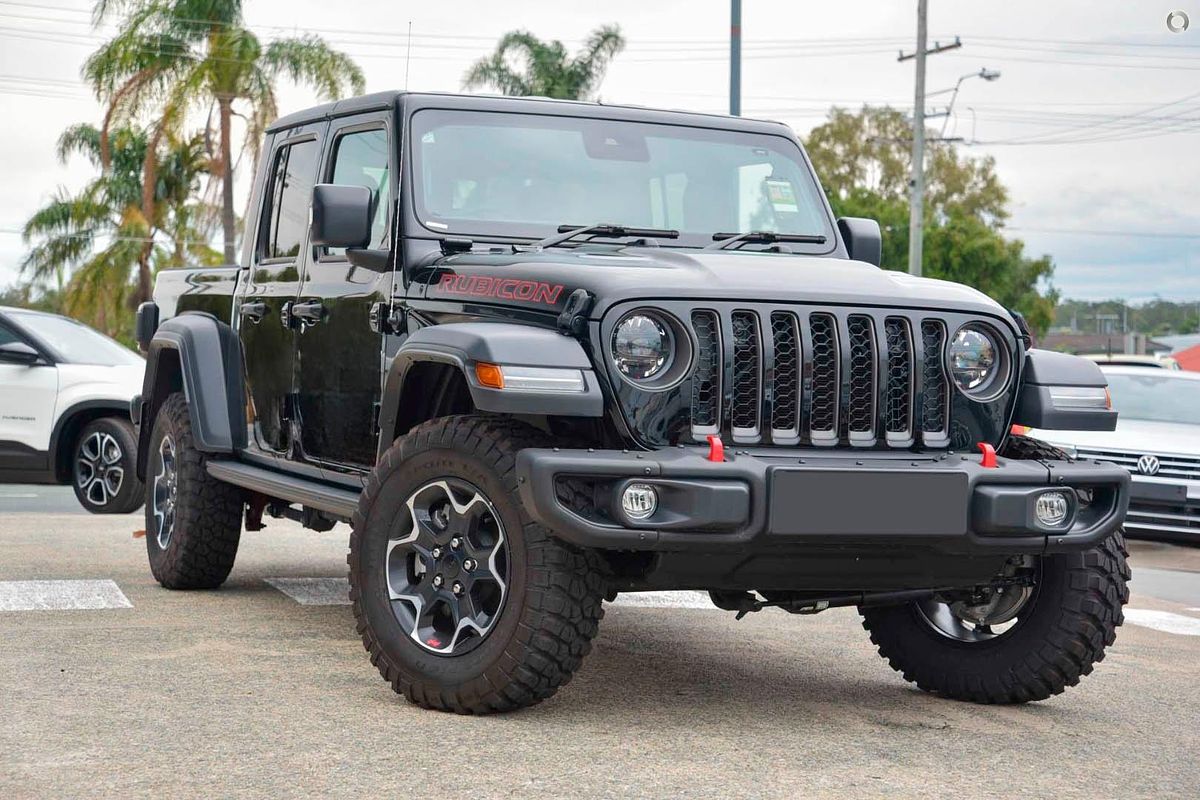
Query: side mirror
(18, 353)
(863, 239)
(341, 216)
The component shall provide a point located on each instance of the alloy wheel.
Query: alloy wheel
(447, 570)
(994, 613)
(165, 491)
(98, 470)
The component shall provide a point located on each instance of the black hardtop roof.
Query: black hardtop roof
(481, 102)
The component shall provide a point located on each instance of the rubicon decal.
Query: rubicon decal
(504, 288)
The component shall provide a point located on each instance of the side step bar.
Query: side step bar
(339, 502)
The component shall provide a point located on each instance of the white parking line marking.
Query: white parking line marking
(314, 591)
(1164, 621)
(29, 496)
(686, 599)
(61, 595)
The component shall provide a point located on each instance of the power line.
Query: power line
(1130, 234)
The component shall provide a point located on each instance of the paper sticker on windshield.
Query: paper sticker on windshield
(782, 197)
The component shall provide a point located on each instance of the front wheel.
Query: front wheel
(193, 521)
(104, 475)
(1027, 641)
(464, 603)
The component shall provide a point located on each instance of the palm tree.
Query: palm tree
(89, 243)
(171, 57)
(548, 70)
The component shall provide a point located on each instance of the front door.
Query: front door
(339, 349)
(264, 322)
(27, 397)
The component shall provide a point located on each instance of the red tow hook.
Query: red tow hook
(716, 449)
(989, 455)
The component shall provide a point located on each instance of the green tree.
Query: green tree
(96, 246)
(170, 57)
(864, 161)
(524, 65)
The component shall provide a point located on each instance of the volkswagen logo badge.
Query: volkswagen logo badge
(1148, 465)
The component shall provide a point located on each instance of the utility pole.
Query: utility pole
(916, 214)
(735, 58)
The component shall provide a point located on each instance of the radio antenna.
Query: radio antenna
(408, 55)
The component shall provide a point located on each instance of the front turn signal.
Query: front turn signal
(489, 375)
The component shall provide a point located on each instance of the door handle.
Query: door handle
(254, 311)
(304, 315)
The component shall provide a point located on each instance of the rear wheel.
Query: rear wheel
(193, 521)
(465, 603)
(103, 473)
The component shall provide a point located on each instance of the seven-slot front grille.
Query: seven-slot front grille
(819, 377)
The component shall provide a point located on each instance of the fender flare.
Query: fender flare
(210, 373)
(1045, 371)
(463, 344)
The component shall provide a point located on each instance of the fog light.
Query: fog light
(1052, 508)
(639, 501)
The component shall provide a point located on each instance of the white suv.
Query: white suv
(64, 409)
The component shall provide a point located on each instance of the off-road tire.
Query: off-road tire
(553, 606)
(1027, 448)
(132, 492)
(1077, 607)
(208, 513)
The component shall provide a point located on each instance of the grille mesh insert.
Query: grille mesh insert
(825, 382)
(933, 379)
(746, 371)
(706, 381)
(861, 406)
(897, 396)
(785, 413)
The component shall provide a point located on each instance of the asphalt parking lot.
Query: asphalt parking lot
(263, 689)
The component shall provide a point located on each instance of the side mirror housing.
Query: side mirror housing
(18, 353)
(341, 216)
(863, 240)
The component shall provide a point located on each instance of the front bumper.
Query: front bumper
(856, 501)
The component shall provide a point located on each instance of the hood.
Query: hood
(616, 275)
(1134, 435)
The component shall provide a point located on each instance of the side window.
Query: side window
(361, 159)
(7, 336)
(290, 193)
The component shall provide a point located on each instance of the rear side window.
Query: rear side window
(361, 159)
(290, 195)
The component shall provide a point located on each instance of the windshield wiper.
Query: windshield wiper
(566, 232)
(723, 240)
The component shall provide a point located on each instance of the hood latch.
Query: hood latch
(573, 319)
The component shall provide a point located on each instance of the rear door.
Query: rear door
(264, 322)
(340, 346)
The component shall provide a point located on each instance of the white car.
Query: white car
(65, 391)
(1158, 440)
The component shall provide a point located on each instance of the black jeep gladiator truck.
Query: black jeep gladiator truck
(538, 353)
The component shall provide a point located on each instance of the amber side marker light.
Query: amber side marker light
(489, 375)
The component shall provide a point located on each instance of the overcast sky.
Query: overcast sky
(1095, 122)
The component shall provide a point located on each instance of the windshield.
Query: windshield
(481, 173)
(74, 342)
(1155, 397)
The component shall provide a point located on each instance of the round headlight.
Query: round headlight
(641, 346)
(977, 362)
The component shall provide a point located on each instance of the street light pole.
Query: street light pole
(735, 58)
